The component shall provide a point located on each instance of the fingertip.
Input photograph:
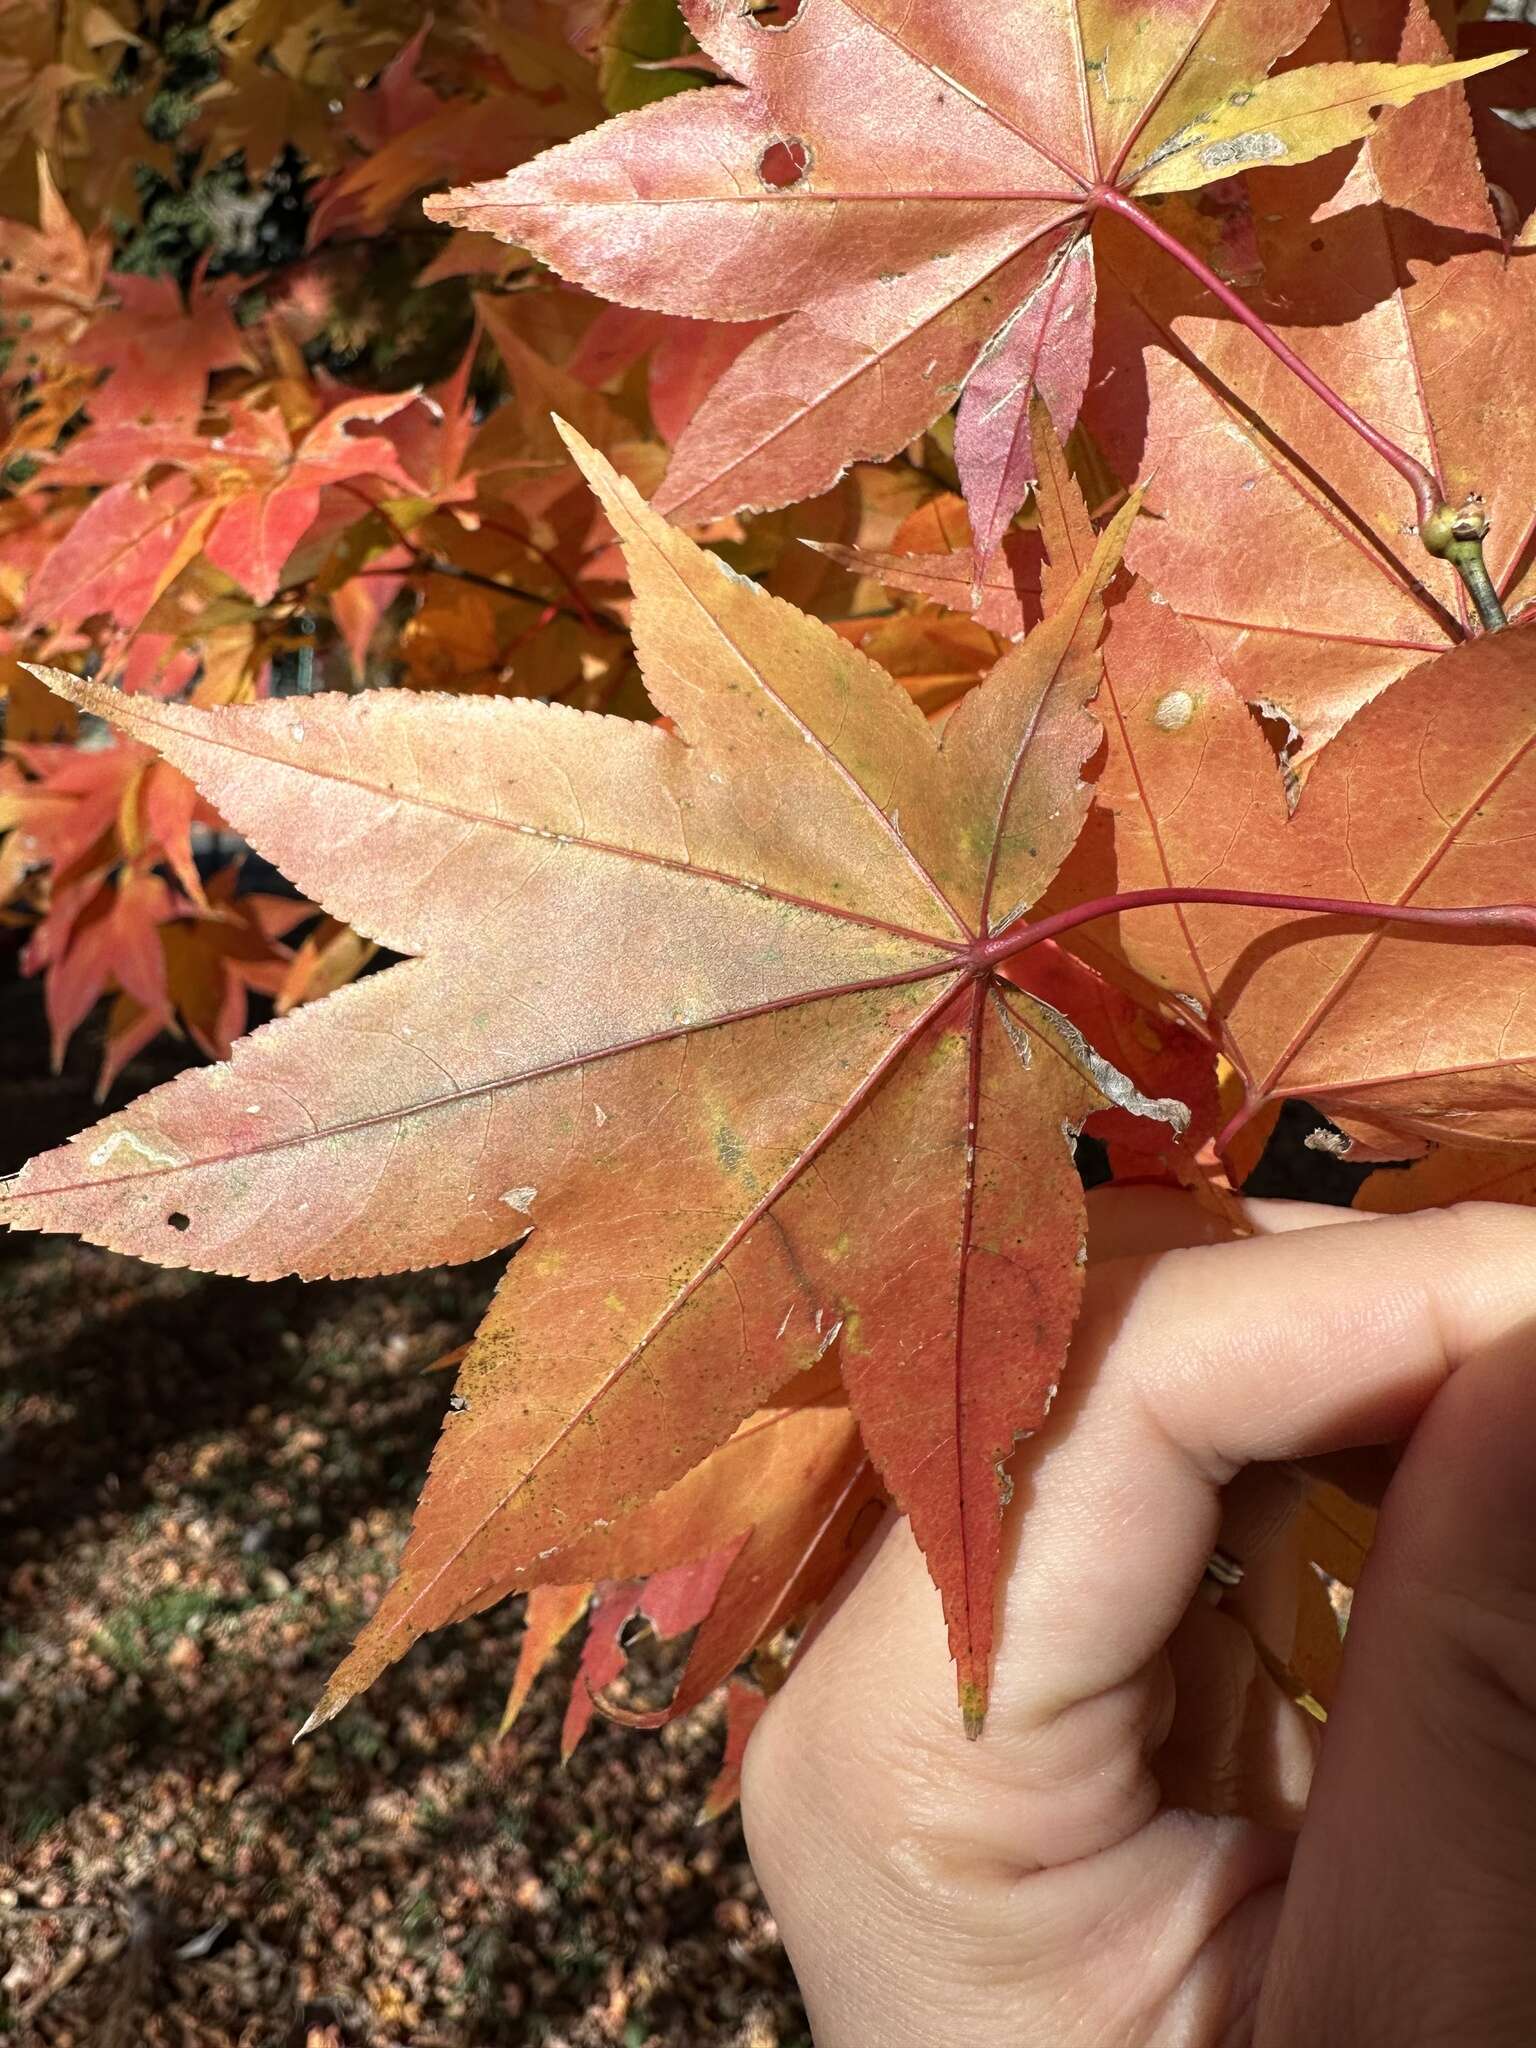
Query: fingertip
(1141, 1222)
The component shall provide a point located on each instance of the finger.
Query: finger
(1421, 1836)
(1140, 1222)
(865, 1805)
(1186, 1368)
(1238, 1744)
(1201, 1362)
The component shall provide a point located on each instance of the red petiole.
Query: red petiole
(1428, 493)
(984, 955)
(1221, 1144)
(1519, 918)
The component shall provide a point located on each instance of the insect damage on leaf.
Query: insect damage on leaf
(902, 223)
(823, 1119)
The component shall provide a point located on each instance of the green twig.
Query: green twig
(1455, 533)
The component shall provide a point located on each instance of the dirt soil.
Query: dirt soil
(203, 1487)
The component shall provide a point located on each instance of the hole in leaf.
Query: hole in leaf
(177, 1221)
(773, 13)
(634, 1632)
(784, 163)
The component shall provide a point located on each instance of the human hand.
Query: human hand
(1041, 1886)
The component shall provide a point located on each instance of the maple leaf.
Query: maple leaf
(214, 962)
(673, 1602)
(517, 86)
(644, 52)
(522, 435)
(525, 593)
(907, 184)
(98, 935)
(1273, 536)
(709, 1011)
(100, 822)
(1005, 598)
(437, 140)
(290, 68)
(794, 1496)
(687, 357)
(744, 1709)
(549, 1616)
(1160, 1052)
(1420, 801)
(123, 552)
(51, 277)
(331, 956)
(258, 493)
(937, 658)
(35, 84)
(160, 351)
(745, 1706)
(783, 1505)
(1478, 1173)
(932, 554)
(214, 958)
(32, 712)
(76, 811)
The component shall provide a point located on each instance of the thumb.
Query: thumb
(1408, 1916)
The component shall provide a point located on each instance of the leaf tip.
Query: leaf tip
(1471, 66)
(583, 454)
(973, 1708)
(61, 682)
(617, 496)
(316, 1720)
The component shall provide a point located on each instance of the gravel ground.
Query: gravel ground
(203, 1487)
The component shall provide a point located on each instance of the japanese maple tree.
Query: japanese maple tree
(1130, 751)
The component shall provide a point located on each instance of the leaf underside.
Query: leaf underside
(927, 210)
(692, 1011)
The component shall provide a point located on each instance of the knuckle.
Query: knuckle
(1467, 1232)
(1471, 1268)
(809, 1789)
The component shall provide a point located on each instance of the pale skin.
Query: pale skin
(1063, 1880)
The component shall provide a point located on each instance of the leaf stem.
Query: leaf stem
(1467, 560)
(1240, 1118)
(1455, 534)
(1428, 493)
(1517, 918)
(435, 565)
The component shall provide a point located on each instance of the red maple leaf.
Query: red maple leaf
(911, 185)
